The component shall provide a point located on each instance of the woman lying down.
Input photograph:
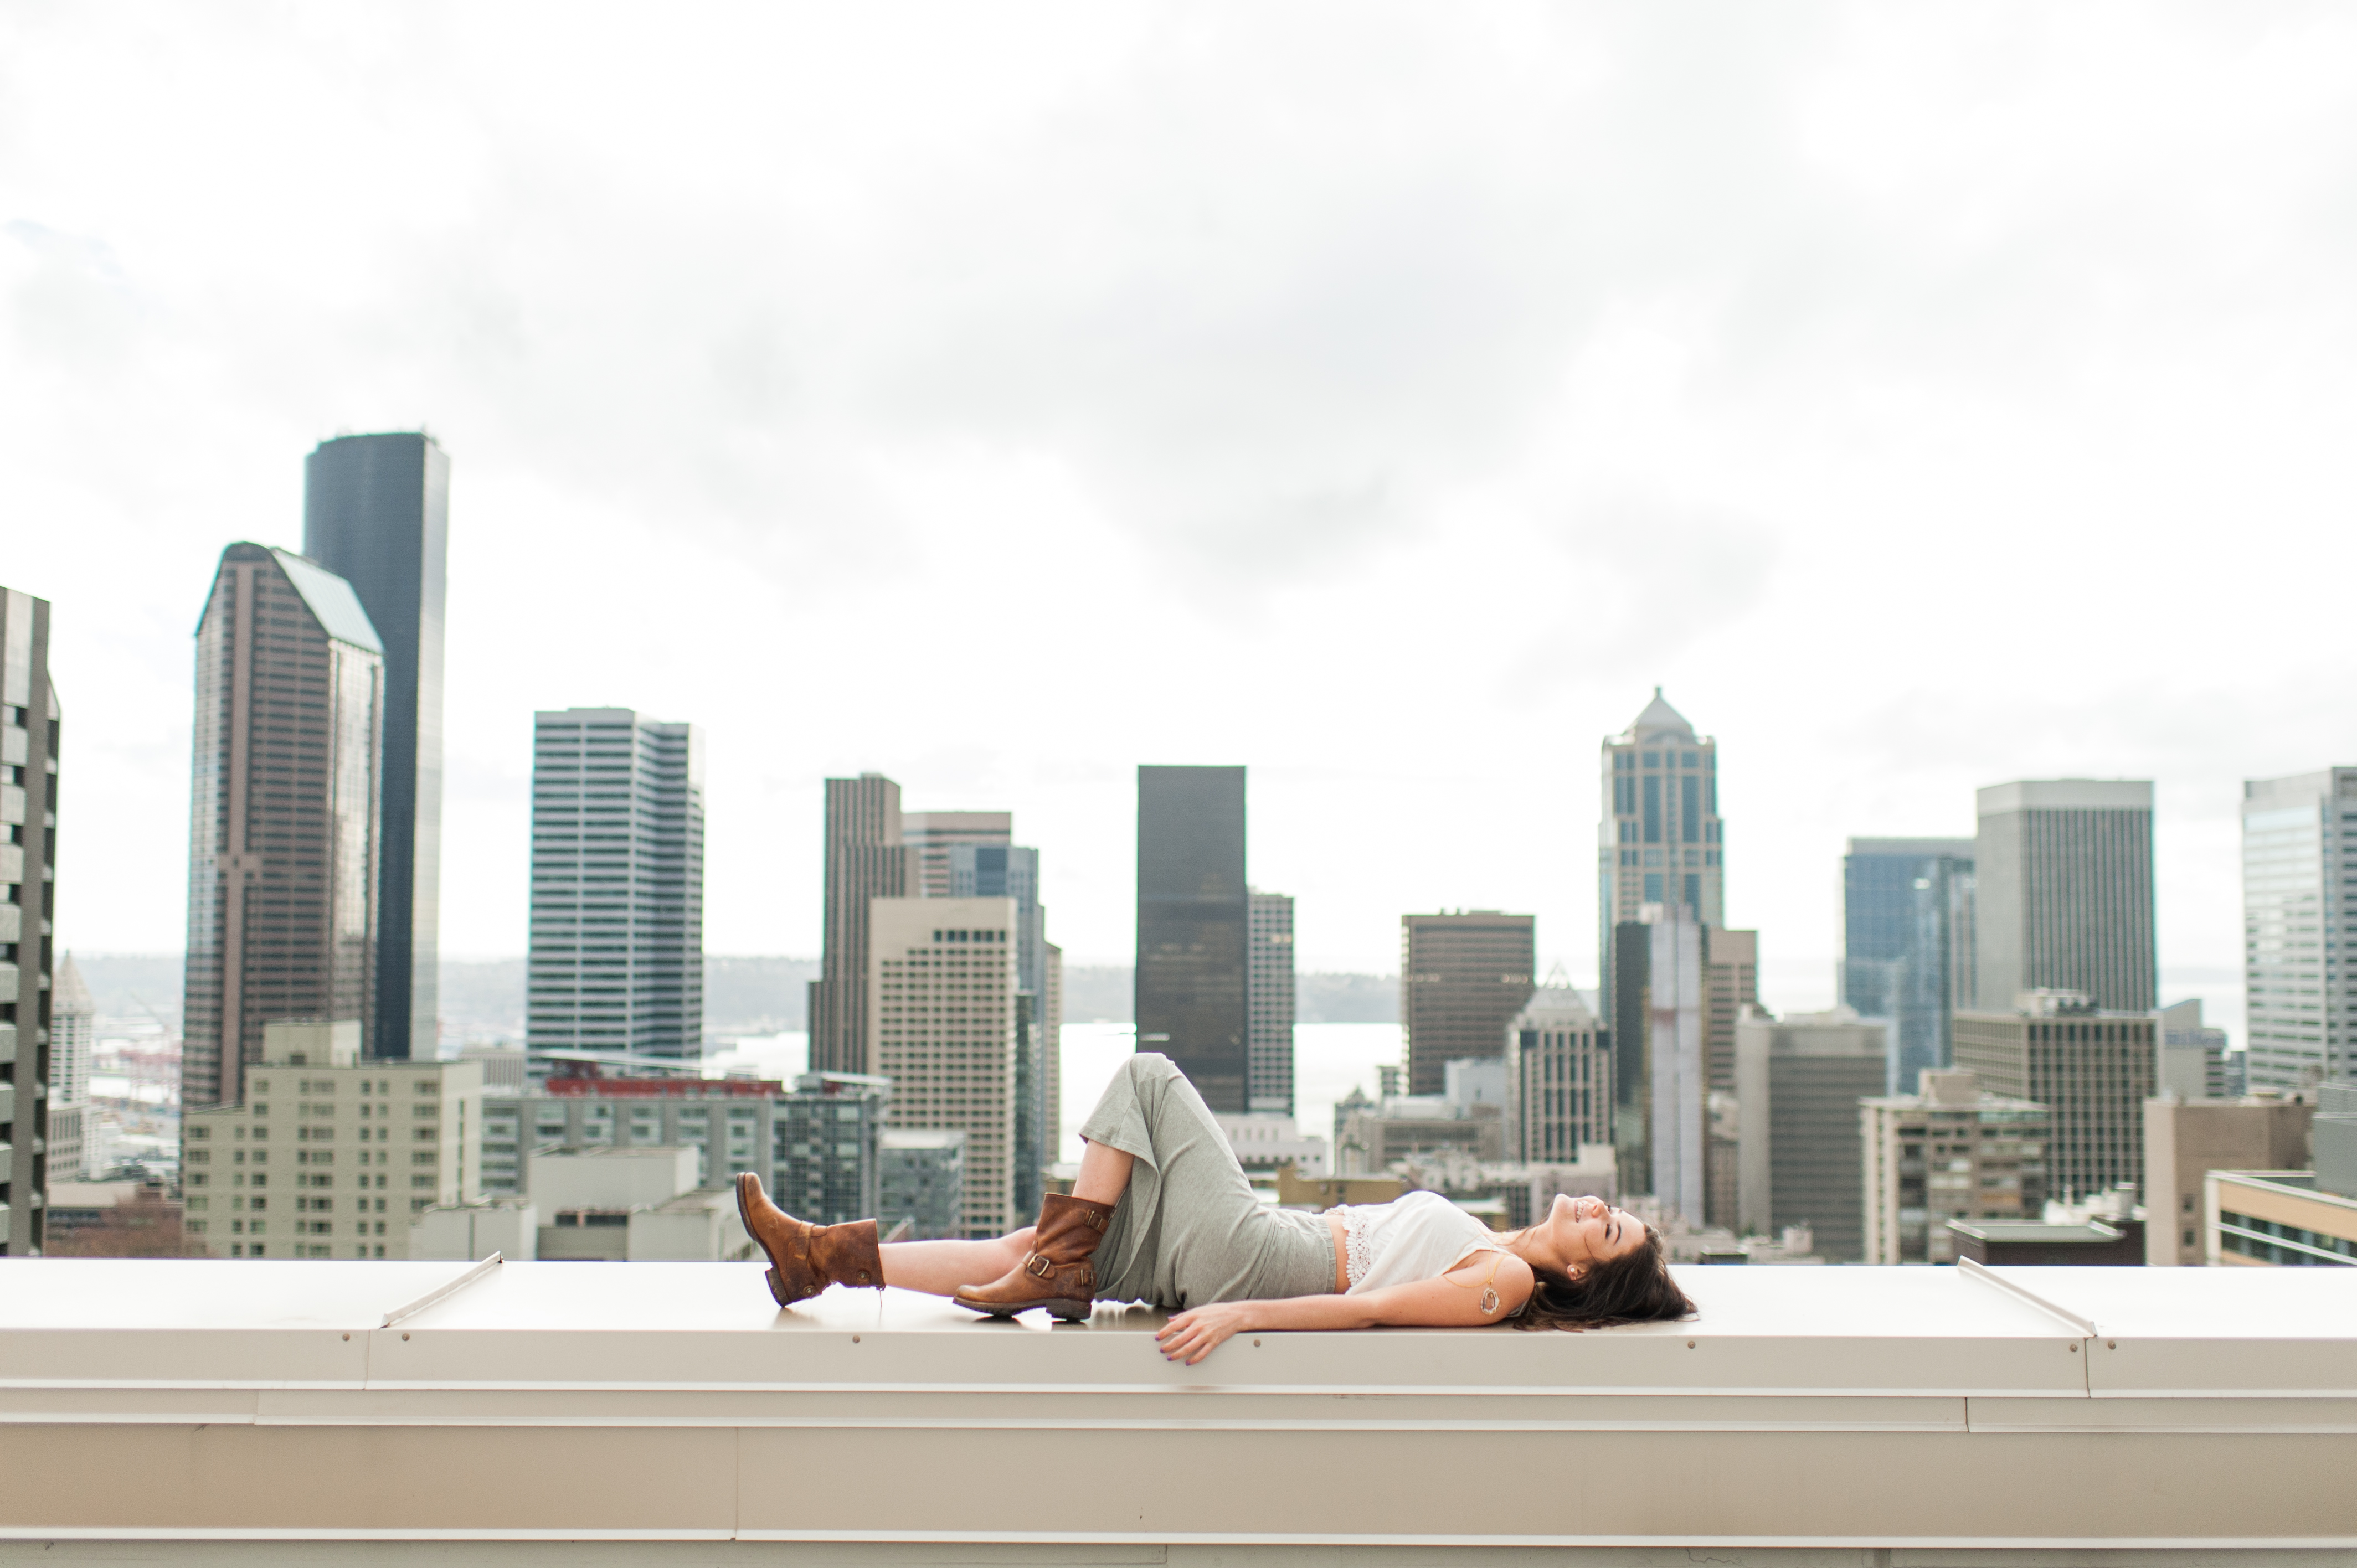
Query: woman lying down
(1161, 1212)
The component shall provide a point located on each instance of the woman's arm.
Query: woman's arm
(1453, 1301)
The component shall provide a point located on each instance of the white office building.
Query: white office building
(941, 986)
(1268, 1004)
(1558, 1070)
(2299, 905)
(1678, 1065)
(616, 960)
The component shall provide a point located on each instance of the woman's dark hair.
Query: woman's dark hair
(1634, 1287)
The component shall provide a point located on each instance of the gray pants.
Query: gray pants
(1188, 1229)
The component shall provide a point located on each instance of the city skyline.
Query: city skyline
(2033, 329)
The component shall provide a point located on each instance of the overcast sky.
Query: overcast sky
(1382, 398)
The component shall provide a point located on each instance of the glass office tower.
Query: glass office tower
(2300, 905)
(1661, 850)
(284, 834)
(376, 513)
(1907, 945)
(1194, 928)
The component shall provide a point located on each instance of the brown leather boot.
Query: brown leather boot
(804, 1258)
(1058, 1274)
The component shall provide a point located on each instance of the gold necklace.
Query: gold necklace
(1487, 1287)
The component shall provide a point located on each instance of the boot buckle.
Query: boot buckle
(1038, 1267)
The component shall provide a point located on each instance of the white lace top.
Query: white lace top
(1420, 1236)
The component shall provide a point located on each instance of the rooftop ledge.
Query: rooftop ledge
(1950, 1408)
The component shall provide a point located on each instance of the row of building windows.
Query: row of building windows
(2271, 1242)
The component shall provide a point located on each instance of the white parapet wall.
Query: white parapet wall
(234, 1412)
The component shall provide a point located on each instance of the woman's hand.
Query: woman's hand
(1197, 1332)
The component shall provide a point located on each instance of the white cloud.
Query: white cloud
(1386, 399)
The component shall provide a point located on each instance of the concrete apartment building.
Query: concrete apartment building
(2278, 1219)
(331, 1155)
(1801, 1161)
(1951, 1150)
(28, 836)
(922, 1181)
(284, 818)
(1466, 1119)
(1463, 976)
(868, 857)
(635, 1205)
(941, 1006)
(2064, 893)
(2091, 1069)
(2186, 1139)
(1269, 1004)
(933, 835)
(1559, 1095)
(2291, 1219)
(2300, 908)
(617, 959)
(1909, 944)
(376, 513)
(1194, 919)
(816, 1145)
(829, 1149)
(1730, 968)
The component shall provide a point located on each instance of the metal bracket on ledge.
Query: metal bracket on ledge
(442, 1292)
(1988, 1276)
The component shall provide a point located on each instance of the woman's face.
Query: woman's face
(1588, 1231)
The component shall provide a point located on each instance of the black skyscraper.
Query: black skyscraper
(1194, 927)
(376, 513)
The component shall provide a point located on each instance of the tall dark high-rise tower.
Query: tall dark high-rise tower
(1463, 977)
(1193, 927)
(376, 513)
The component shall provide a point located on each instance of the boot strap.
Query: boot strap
(1040, 1267)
